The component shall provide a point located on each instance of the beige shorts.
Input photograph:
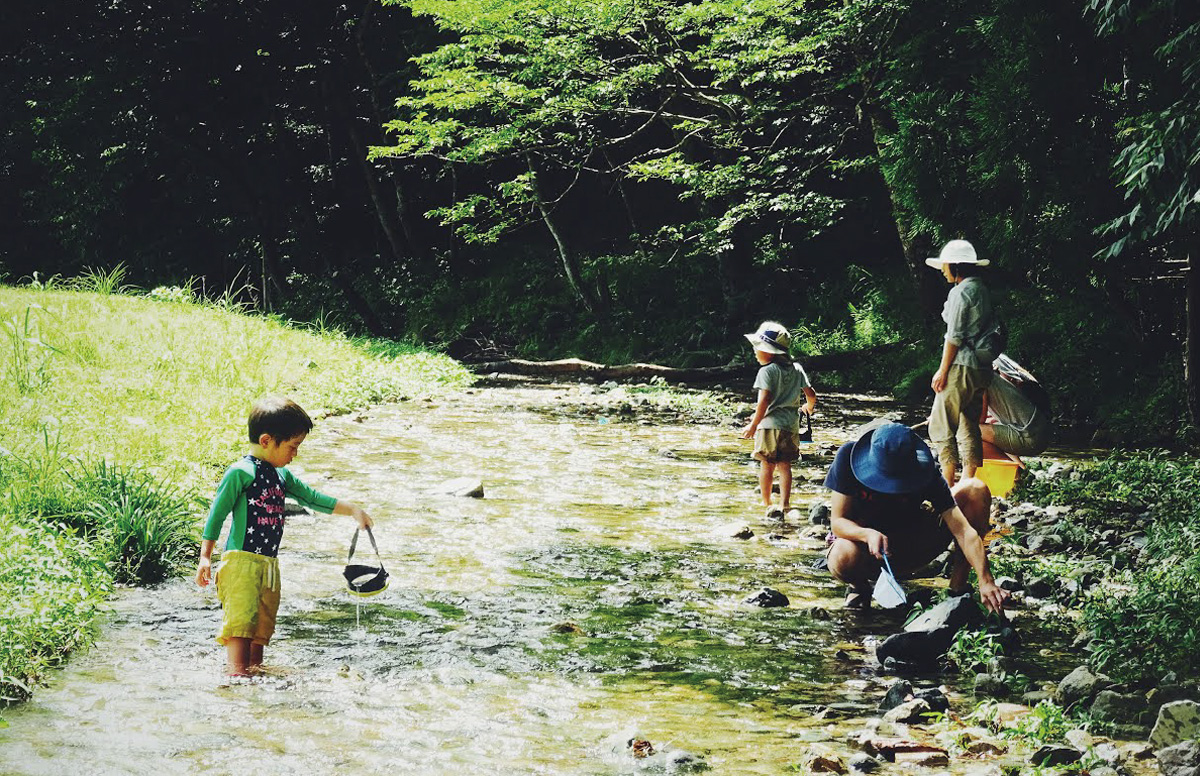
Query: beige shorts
(776, 445)
(248, 588)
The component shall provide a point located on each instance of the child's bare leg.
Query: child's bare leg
(785, 483)
(766, 475)
(256, 655)
(237, 656)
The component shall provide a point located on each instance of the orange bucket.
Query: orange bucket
(999, 474)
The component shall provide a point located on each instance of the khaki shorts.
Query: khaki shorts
(248, 588)
(776, 445)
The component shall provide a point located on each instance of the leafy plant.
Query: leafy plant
(974, 649)
(100, 281)
(144, 527)
(29, 355)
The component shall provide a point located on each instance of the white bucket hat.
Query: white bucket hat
(771, 337)
(957, 252)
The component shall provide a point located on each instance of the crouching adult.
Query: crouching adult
(889, 498)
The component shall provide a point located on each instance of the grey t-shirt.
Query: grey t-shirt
(786, 382)
(968, 314)
(1009, 405)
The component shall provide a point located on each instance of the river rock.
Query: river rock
(819, 514)
(1113, 706)
(1081, 684)
(953, 613)
(739, 531)
(1182, 759)
(822, 761)
(768, 597)
(990, 685)
(923, 759)
(466, 487)
(1052, 756)
(917, 648)
(912, 711)
(936, 699)
(864, 763)
(1080, 739)
(898, 692)
(1177, 721)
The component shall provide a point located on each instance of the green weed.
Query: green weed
(28, 362)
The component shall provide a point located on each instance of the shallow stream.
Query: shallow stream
(593, 596)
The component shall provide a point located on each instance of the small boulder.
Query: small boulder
(466, 487)
(1177, 722)
(822, 761)
(921, 648)
(1113, 706)
(953, 613)
(990, 685)
(1081, 684)
(1182, 759)
(864, 763)
(936, 699)
(1052, 756)
(739, 531)
(912, 711)
(768, 597)
(897, 693)
(819, 514)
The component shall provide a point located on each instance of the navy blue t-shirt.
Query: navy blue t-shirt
(872, 509)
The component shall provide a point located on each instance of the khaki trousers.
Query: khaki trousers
(954, 419)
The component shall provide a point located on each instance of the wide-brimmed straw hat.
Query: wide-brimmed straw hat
(957, 252)
(893, 459)
(771, 337)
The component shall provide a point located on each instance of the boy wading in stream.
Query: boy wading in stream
(783, 388)
(252, 490)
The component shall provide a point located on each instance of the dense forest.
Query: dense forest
(634, 179)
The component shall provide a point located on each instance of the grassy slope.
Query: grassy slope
(155, 385)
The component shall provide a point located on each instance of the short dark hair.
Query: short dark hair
(964, 269)
(282, 418)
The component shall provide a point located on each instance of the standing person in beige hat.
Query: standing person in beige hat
(971, 344)
(783, 392)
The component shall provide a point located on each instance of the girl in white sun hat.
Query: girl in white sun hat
(783, 388)
(966, 368)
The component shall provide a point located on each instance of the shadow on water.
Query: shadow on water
(593, 595)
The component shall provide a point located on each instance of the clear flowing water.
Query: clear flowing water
(593, 596)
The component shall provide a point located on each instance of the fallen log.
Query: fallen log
(709, 374)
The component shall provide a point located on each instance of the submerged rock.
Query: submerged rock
(466, 487)
(864, 763)
(768, 597)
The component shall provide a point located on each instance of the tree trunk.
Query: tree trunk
(401, 249)
(570, 262)
(1191, 343)
(914, 247)
(710, 374)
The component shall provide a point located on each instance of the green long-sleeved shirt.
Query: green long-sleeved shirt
(253, 491)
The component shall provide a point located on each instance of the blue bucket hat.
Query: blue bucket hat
(892, 459)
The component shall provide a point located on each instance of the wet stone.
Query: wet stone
(1052, 756)
(864, 763)
(767, 598)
